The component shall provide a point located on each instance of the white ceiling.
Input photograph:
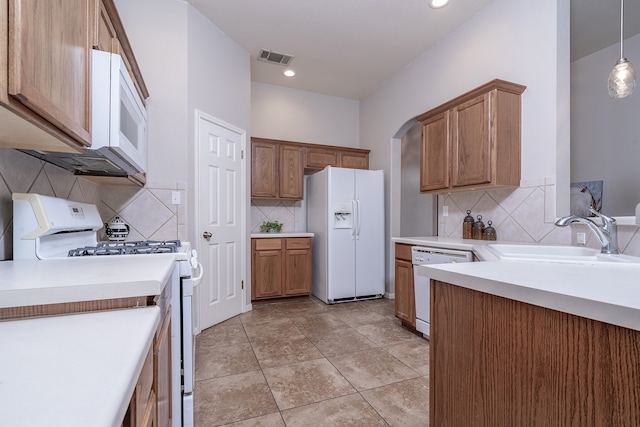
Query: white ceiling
(348, 48)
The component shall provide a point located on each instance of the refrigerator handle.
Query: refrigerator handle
(359, 223)
(354, 225)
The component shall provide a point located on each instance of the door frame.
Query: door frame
(199, 116)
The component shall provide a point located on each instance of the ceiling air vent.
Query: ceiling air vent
(275, 57)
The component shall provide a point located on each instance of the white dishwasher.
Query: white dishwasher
(421, 255)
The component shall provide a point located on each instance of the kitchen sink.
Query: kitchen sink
(552, 253)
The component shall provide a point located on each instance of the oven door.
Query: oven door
(188, 346)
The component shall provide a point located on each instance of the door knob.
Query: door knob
(207, 235)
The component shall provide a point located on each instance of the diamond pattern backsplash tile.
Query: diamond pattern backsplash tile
(148, 211)
(21, 173)
(284, 211)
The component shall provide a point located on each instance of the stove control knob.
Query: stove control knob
(207, 235)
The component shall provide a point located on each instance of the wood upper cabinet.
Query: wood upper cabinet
(278, 167)
(291, 172)
(405, 305)
(264, 170)
(280, 267)
(46, 78)
(317, 157)
(473, 141)
(109, 35)
(276, 171)
(434, 155)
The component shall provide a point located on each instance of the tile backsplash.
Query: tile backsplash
(292, 214)
(524, 214)
(148, 211)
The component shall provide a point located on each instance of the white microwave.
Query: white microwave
(119, 117)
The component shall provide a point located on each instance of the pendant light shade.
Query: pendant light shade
(622, 79)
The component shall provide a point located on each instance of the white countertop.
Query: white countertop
(51, 281)
(75, 370)
(606, 292)
(279, 235)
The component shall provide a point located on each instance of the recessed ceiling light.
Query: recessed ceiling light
(289, 73)
(437, 4)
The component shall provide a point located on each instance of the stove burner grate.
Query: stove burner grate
(128, 248)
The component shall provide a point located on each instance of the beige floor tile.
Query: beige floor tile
(404, 404)
(306, 308)
(284, 350)
(360, 317)
(385, 333)
(262, 314)
(271, 420)
(413, 353)
(341, 341)
(371, 368)
(222, 335)
(272, 330)
(228, 360)
(232, 398)
(235, 320)
(306, 382)
(322, 322)
(351, 410)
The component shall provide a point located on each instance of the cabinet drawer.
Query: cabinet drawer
(268, 244)
(298, 243)
(403, 251)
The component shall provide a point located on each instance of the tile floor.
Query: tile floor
(305, 363)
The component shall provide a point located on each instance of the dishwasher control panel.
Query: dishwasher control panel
(422, 255)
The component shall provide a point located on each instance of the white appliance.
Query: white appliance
(422, 284)
(345, 210)
(118, 124)
(49, 227)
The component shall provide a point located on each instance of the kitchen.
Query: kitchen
(181, 80)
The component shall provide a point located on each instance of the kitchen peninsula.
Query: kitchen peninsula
(534, 343)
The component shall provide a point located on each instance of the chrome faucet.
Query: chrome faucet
(607, 233)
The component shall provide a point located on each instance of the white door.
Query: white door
(221, 225)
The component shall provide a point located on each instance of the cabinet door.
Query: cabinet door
(162, 370)
(268, 274)
(105, 37)
(471, 149)
(291, 172)
(320, 158)
(264, 158)
(354, 160)
(49, 62)
(297, 267)
(405, 298)
(434, 153)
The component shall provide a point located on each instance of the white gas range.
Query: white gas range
(53, 228)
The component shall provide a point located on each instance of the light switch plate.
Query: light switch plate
(445, 211)
(175, 197)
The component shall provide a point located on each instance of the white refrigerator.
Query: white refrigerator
(345, 210)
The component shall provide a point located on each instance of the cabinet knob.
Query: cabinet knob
(207, 235)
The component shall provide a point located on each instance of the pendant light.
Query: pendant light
(622, 79)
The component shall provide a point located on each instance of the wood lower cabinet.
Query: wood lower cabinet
(501, 362)
(162, 373)
(405, 300)
(141, 411)
(280, 267)
(473, 141)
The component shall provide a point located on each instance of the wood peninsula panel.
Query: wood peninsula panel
(501, 362)
(71, 307)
